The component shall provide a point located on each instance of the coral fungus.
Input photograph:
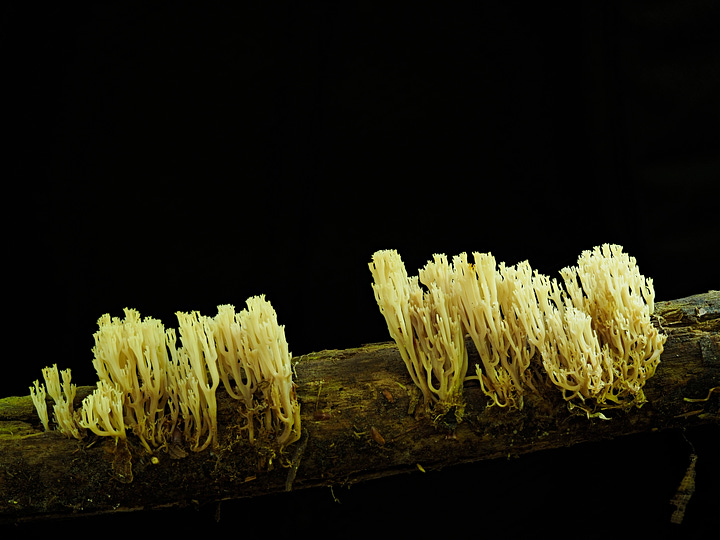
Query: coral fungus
(593, 339)
(152, 387)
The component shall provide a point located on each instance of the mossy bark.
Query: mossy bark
(362, 418)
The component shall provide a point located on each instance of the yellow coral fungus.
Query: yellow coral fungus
(594, 339)
(264, 346)
(102, 411)
(607, 286)
(157, 389)
(131, 354)
(502, 316)
(255, 367)
(199, 359)
(426, 327)
(62, 395)
(38, 395)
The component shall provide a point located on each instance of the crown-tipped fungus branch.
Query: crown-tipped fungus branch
(131, 353)
(392, 288)
(426, 327)
(443, 339)
(572, 356)
(102, 411)
(265, 353)
(38, 395)
(196, 333)
(501, 314)
(231, 348)
(62, 395)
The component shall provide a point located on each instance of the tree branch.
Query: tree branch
(362, 419)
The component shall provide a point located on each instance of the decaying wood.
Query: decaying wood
(362, 419)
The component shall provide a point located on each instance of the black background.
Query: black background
(177, 157)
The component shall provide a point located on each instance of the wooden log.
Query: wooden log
(362, 419)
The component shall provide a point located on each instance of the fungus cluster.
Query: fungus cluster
(62, 395)
(154, 387)
(592, 338)
(426, 326)
(601, 342)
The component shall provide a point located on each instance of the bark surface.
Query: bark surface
(362, 419)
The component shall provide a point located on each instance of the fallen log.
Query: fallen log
(362, 419)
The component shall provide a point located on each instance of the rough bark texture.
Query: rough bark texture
(362, 419)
